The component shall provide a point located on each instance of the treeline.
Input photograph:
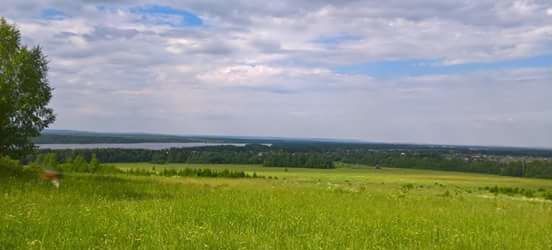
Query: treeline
(436, 161)
(413, 148)
(13, 168)
(249, 154)
(192, 172)
(79, 164)
(302, 160)
(324, 156)
(75, 163)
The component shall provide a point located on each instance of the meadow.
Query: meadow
(351, 207)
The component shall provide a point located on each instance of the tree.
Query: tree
(24, 93)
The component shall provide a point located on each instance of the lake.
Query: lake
(147, 145)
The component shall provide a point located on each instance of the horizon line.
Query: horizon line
(315, 139)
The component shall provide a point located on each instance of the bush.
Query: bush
(529, 193)
(192, 172)
(9, 167)
(13, 168)
(76, 164)
(106, 169)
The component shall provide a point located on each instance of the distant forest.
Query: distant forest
(498, 161)
(79, 137)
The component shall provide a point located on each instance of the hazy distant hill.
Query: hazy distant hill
(291, 144)
(83, 137)
(79, 137)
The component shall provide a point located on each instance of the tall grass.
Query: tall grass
(301, 210)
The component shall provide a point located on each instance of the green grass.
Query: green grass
(345, 208)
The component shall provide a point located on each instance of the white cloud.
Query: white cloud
(267, 70)
(241, 74)
(254, 75)
(177, 46)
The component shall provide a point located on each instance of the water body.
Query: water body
(147, 145)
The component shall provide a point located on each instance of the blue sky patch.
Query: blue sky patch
(52, 14)
(160, 14)
(415, 67)
(336, 39)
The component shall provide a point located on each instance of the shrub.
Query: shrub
(78, 164)
(529, 193)
(192, 172)
(9, 167)
(407, 187)
(106, 169)
(13, 168)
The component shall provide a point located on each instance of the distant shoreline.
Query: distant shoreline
(142, 145)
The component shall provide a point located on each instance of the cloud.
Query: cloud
(254, 75)
(443, 71)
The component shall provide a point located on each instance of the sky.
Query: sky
(469, 72)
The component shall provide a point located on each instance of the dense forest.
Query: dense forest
(326, 155)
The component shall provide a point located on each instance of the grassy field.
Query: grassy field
(346, 208)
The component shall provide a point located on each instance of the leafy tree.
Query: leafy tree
(24, 93)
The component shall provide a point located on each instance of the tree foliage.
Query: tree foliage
(24, 93)
(324, 157)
